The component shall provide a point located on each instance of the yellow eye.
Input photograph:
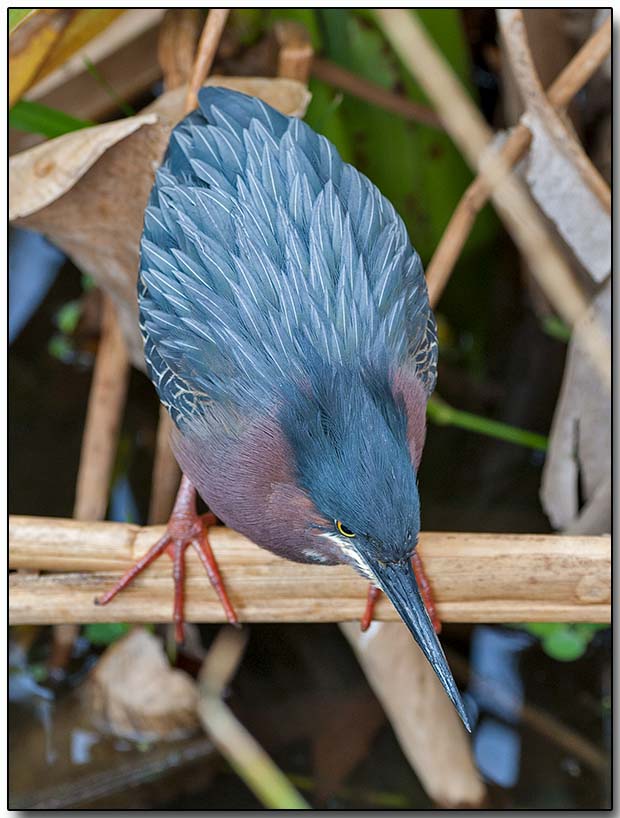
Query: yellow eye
(344, 530)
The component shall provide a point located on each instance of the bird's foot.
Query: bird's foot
(425, 592)
(373, 596)
(185, 528)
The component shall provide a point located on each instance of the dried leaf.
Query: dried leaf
(560, 190)
(125, 54)
(288, 96)
(46, 38)
(86, 191)
(580, 442)
(85, 25)
(133, 692)
(425, 722)
(562, 178)
(30, 44)
(46, 172)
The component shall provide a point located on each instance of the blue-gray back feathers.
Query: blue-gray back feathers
(263, 250)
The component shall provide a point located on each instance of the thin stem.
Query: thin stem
(445, 415)
(357, 86)
(247, 758)
(512, 200)
(106, 403)
(98, 77)
(245, 755)
(207, 48)
(570, 80)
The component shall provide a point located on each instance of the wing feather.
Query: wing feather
(261, 247)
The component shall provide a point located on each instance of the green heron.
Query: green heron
(288, 332)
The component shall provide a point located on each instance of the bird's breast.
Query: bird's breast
(248, 481)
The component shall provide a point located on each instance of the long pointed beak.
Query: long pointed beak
(397, 581)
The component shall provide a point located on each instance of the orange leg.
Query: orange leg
(185, 528)
(373, 596)
(425, 593)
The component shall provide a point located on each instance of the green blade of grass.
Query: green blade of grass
(92, 69)
(445, 415)
(33, 117)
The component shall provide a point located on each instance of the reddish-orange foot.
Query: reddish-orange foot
(425, 593)
(185, 528)
(373, 596)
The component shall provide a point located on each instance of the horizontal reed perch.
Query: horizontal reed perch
(476, 578)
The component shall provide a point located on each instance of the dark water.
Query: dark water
(543, 731)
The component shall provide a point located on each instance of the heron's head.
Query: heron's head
(348, 433)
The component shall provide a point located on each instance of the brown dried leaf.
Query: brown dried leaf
(133, 692)
(96, 215)
(287, 96)
(559, 188)
(123, 31)
(580, 444)
(563, 180)
(88, 194)
(41, 175)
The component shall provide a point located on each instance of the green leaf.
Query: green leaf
(564, 641)
(36, 118)
(556, 328)
(38, 671)
(541, 629)
(368, 57)
(60, 347)
(416, 167)
(68, 316)
(565, 645)
(104, 633)
(324, 114)
(17, 16)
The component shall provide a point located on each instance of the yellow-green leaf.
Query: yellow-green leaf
(17, 16)
(29, 46)
(84, 26)
(46, 38)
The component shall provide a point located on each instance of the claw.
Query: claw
(185, 528)
(425, 592)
